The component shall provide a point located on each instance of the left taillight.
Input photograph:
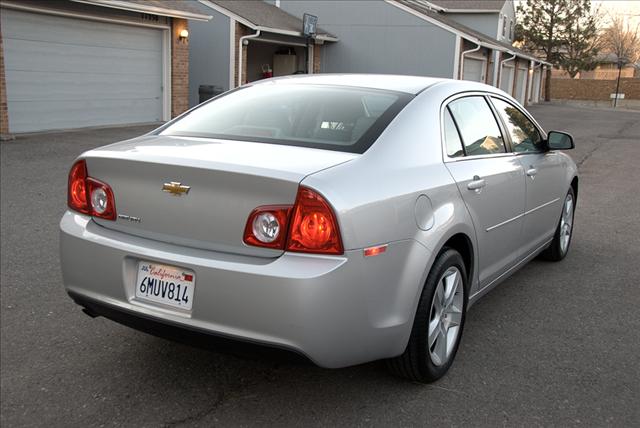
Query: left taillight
(88, 195)
(309, 226)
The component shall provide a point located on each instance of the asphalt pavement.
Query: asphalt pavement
(556, 344)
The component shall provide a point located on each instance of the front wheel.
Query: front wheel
(438, 323)
(559, 247)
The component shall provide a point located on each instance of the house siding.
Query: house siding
(210, 50)
(378, 38)
(486, 23)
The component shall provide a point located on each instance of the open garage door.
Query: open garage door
(69, 72)
(474, 69)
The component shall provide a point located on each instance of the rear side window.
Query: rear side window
(524, 134)
(451, 137)
(320, 116)
(477, 125)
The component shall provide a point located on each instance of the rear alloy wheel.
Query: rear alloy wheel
(445, 316)
(438, 324)
(559, 247)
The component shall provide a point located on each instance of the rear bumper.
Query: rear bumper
(183, 334)
(337, 311)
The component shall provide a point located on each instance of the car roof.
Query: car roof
(399, 83)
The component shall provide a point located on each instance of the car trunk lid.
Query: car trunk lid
(210, 186)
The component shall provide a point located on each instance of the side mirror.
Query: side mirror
(557, 140)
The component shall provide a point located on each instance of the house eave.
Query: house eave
(142, 8)
(255, 27)
(464, 35)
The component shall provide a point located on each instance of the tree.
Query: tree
(622, 40)
(581, 42)
(563, 32)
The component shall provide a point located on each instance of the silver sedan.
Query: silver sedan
(346, 218)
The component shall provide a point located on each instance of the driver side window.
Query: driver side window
(524, 134)
(477, 125)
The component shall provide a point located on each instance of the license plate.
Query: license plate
(169, 285)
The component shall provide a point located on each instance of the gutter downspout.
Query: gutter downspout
(240, 45)
(476, 49)
(502, 66)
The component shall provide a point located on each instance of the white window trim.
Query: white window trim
(69, 14)
(232, 53)
(166, 75)
(456, 58)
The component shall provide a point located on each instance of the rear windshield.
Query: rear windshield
(319, 116)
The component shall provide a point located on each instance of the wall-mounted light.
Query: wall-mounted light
(184, 35)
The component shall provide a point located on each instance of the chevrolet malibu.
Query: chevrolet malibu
(346, 218)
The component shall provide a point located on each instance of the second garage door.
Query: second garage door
(474, 69)
(70, 73)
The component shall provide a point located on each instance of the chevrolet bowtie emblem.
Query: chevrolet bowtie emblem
(175, 188)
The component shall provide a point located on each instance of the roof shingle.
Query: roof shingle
(484, 5)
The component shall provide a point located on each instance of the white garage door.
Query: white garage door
(506, 80)
(521, 84)
(473, 69)
(70, 73)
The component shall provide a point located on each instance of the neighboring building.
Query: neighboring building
(80, 63)
(495, 18)
(607, 69)
(456, 39)
(246, 39)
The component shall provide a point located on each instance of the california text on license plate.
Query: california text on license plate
(169, 285)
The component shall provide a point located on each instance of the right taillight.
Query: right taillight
(314, 228)
(88, 195)
(310, 226)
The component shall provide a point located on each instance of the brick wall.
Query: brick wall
(593, 90)
(179, 68)
(317, 54)
(4, 112)
(241, 30)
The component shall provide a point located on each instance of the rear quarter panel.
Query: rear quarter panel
(399, 190)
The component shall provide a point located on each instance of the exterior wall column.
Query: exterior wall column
(4, 109)
(179, 68)
(240, 31)
(317, 49)
(516, 62)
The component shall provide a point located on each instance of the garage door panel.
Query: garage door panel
(521, 84)
(55, 29)
(67, 114)
(28, 86)
(44, 56)
(474, 69)
(69, 73)
(506, 81)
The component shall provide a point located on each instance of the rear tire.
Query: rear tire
(559, 247)
(438, 324)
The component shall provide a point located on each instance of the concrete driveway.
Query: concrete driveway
(556, 344)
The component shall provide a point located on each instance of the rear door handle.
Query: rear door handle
(531, 172)
(477, 183)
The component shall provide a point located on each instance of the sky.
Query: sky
(629, 9)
